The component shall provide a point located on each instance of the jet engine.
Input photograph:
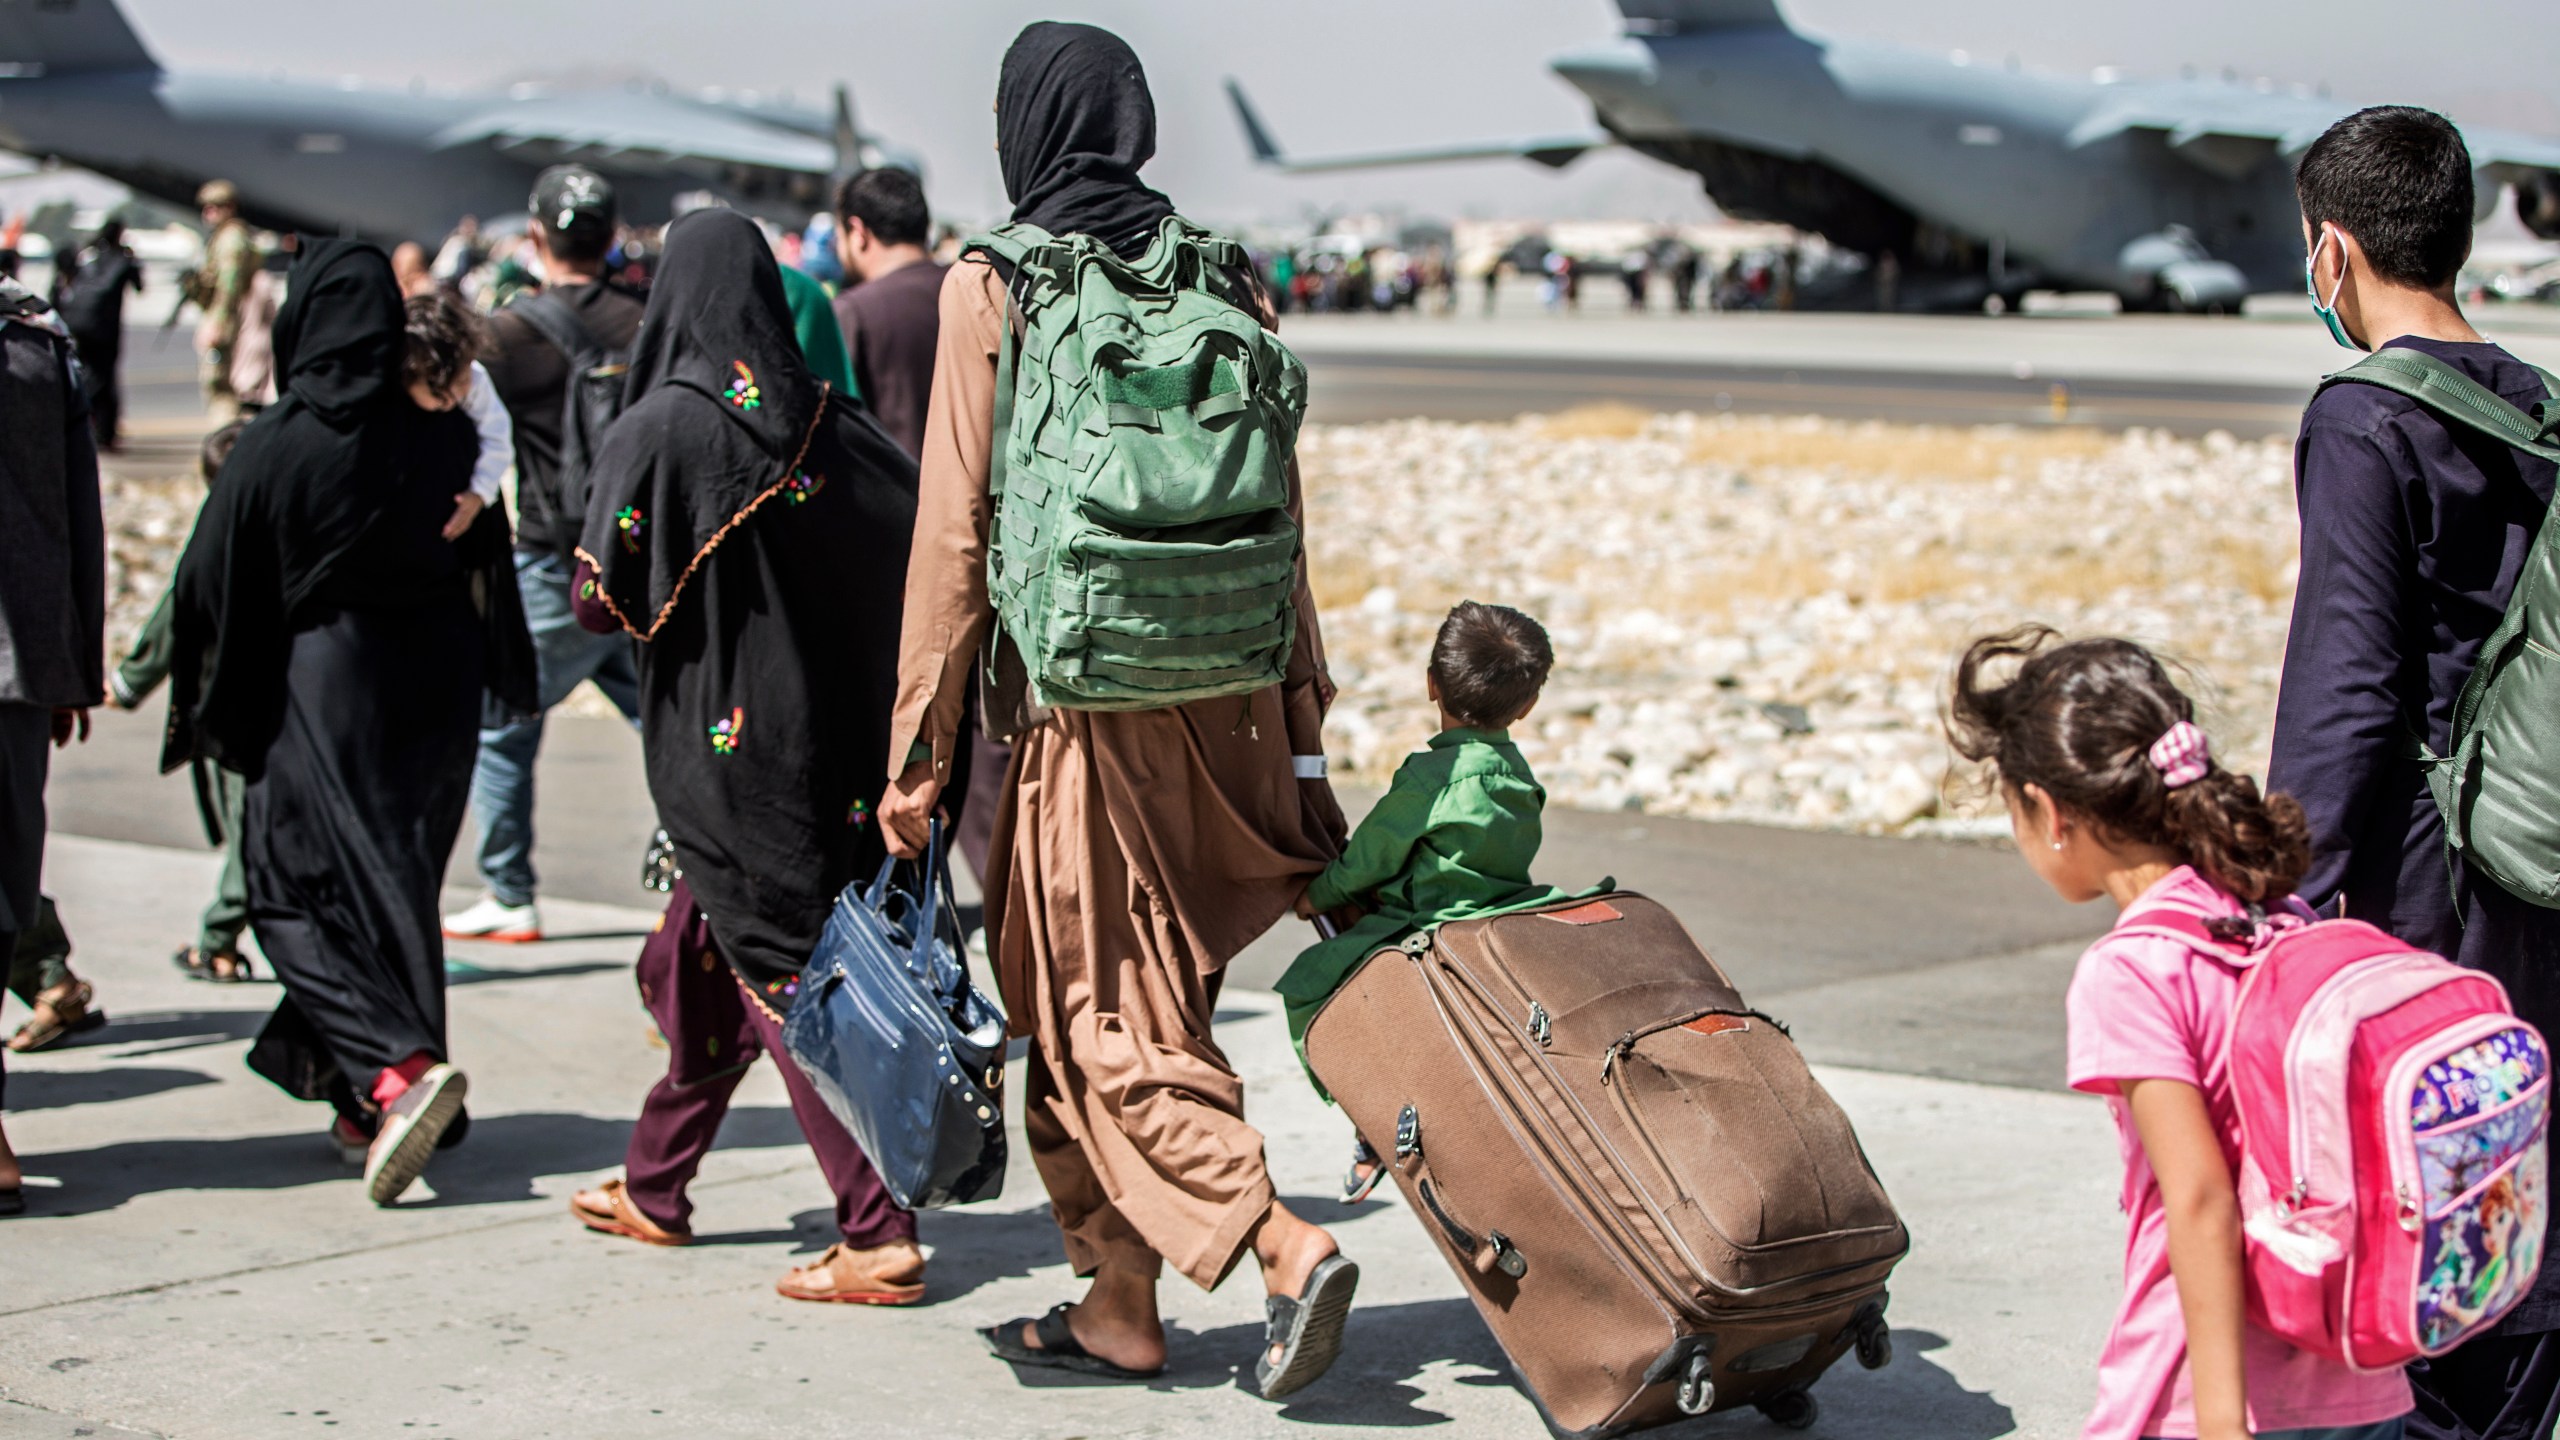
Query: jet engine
(2538, 203)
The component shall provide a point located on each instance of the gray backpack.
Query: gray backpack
(2498, 782)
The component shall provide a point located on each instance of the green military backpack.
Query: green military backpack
(1141, 552)
(2498, 784)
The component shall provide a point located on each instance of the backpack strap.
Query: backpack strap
(2451, 395)
(2235, 939)
(2446, 392)
(553, 320)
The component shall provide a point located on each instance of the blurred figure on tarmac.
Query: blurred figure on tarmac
(53, 605)
(216, 954)
(253, 353)
(221, 283)
(530, 361)
(409, 267)
(89, 295)
(333, 645)
(460, 254)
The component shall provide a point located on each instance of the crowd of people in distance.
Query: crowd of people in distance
(767, 542)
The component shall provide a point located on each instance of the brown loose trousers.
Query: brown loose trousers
(1145, 848)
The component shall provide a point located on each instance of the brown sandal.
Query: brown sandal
(608, 1209)
(61, 1012)
(891, 1274)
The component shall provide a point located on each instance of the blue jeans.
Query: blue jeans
(565, 654)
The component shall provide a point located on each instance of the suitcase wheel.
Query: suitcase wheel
(1875, 1345)
(1697, 1393)
(1796, 1409)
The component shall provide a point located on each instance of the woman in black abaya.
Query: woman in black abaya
(333, 648)
(750, 529)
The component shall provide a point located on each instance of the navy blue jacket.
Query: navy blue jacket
(2413, 534)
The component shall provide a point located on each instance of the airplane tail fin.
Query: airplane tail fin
(1681, 16)
(848, 136)
(60, 37)
(1266, 151)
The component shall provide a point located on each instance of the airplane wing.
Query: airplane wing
(1553, 151)
(638, 132)
(2230, 136)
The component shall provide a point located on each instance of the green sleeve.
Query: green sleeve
(813, 320)
(1381, 845)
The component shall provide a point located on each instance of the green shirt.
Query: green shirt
(813, 321)
(1452, 839)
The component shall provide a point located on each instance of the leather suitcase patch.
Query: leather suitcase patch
(1598, 912)
(1717, 1024)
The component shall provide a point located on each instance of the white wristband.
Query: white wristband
(1308, 767)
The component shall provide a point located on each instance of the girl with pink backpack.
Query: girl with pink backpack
(2333, 1144)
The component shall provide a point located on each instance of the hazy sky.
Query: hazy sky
(1334, 75)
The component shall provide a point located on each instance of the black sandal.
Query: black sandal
(13, 1201)
(1308, 1329)
(1356, 1186)
(222, 967)
(1057, 1350)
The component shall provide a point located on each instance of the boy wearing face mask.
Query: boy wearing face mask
(2414, 531)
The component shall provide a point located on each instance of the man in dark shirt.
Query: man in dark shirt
(2413, 534)
(891, 309)
(572, 232)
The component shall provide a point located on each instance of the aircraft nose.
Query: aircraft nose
(1621, 67)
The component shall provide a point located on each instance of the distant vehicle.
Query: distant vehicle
(1978, 179)
(77, 85)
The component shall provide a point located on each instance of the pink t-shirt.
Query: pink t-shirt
(2147, 1008)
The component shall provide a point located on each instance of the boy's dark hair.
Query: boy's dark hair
(218, 446)
(2397, 178)
(444, 338)
(889, 202)
(1489, 661)
(2078, 721)
(583, 243)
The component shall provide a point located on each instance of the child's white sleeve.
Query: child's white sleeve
(497, 435)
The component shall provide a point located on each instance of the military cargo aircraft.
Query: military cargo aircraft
(78, 85)
(1975, 179)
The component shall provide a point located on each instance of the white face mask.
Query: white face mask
(2327, 309)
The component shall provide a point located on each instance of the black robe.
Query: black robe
(758, 551)
(333, 647)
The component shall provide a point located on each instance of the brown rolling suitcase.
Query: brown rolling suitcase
(1653, 1203)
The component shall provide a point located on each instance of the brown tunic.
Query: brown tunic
(1145, 848)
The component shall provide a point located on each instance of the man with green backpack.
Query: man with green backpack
(1108, 525)
(2420, 706)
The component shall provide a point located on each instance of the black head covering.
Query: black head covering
(760, 554)
(308, 478)
(1074, 122)
(716, 337)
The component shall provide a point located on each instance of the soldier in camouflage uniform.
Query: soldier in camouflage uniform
(230, 259)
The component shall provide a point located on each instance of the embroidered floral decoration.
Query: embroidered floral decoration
(743, 392)
(633, 524)
(724, 733)
(858, 813)
(802, 485)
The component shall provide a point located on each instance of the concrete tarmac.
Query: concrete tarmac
(197, 1264)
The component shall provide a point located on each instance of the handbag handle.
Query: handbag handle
(937, 900)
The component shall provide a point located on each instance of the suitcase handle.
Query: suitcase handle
(1494, 1252)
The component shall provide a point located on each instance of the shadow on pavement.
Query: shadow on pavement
(181, 1029)
(463, 972)
(974, 1247)
(505, 1152)
(59, 1089)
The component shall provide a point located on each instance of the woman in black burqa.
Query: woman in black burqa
(333, 648)
(750, 529)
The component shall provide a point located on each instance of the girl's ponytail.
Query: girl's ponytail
(2099, 726)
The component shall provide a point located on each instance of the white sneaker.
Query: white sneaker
(490, 920)
(411, 1126)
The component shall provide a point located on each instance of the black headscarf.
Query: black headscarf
(307, 479)
(760, 553)
(658, 503)
(1074, 122)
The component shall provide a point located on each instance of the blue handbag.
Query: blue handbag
(905, 1051)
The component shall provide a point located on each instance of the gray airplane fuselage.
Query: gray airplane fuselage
(320, 157)
(1865, 142)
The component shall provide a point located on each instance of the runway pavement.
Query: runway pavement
(197, 1264)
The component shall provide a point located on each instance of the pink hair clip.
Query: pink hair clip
(2182, 756)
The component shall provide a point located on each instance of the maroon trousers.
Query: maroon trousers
(714, 1032)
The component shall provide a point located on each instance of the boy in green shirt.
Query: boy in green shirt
(1457, 830)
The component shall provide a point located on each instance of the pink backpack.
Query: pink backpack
(2393, 1116)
